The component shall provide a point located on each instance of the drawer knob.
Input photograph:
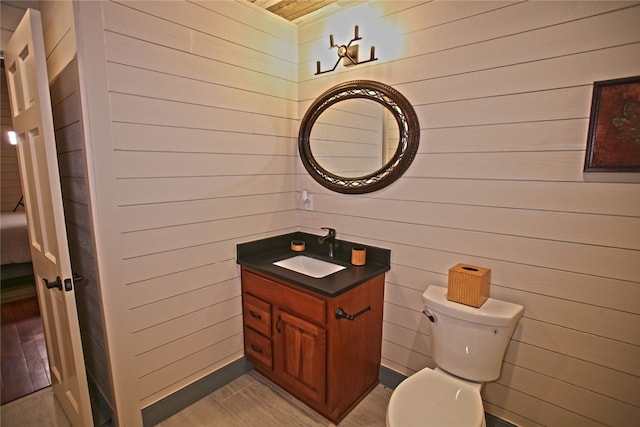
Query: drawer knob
(255, 315)
(256, 349)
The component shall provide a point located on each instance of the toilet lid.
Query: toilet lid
(434, 399)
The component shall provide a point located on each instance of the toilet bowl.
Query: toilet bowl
(467, 345)
(433, 398)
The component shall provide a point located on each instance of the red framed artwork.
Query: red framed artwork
(613, 144)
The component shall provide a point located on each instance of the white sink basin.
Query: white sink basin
(309, 266)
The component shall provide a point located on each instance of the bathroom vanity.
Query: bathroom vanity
(319, 338)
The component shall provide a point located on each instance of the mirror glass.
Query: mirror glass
(354, 137)
(358, 137)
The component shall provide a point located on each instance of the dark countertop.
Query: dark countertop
(260, 255)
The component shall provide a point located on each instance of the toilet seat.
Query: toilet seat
(435, 399)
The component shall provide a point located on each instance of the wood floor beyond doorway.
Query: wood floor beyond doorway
(25, 367)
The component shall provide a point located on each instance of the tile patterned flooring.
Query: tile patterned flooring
(250, 400)
(39, 409)
(25, 367)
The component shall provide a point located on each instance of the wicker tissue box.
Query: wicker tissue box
(468, 284)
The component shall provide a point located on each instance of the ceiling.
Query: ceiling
(292, 10)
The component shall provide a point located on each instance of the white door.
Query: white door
(33, 123)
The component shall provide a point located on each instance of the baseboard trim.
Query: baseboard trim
(171, 405)
(493, 421)
(174, 403)
(390, 378)
(100, 406)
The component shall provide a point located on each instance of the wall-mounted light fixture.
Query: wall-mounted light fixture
(12, 138)
(347, 53)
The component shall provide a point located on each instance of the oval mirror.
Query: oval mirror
(358, 137)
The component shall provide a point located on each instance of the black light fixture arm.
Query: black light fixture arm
(347, 52)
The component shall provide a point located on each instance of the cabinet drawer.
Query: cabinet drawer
(256, 314)
(258, 347)
(297, 302)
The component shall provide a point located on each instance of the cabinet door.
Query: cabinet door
(300, 357)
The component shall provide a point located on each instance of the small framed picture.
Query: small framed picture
(613, 144)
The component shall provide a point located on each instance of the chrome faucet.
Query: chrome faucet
(331, 237)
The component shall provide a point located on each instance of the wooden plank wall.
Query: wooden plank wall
(503, 93)
(62, 70)
(203, 115)
(70, 144)
(59, 35)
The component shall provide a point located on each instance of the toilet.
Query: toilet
(467, 346)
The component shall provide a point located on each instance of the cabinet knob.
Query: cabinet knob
(255, 315)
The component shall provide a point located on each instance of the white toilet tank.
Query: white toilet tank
(466, 341)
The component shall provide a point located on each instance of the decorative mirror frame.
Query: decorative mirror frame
(409, 137)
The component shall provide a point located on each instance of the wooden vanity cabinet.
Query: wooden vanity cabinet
(292, 337)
